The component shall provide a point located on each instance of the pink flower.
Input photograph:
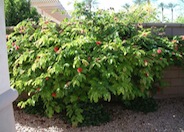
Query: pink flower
(174, 41)
(56, 49)
(182, 37)
(79, 70)
(13, 44)
(53, 94)
(17, 47)
(46, 22)
(159, 51)
(21, 31)
(98, 43)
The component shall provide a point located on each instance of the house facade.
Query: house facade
(51, 9)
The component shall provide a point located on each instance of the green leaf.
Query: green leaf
(85, 62)
(107, 96)
(73, 98)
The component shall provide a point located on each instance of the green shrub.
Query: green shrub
(38, 108)
(145, 105)
(89, 58)
(178, 42)
(94, 114)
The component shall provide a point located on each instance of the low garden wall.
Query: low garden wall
(171, 29)
(173, 78)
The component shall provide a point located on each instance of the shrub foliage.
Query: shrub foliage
(89, 58)
(144, 105)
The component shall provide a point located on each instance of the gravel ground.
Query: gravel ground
(168, 118)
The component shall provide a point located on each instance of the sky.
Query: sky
(117, 5)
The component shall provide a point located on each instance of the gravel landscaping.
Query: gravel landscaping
(168, 118)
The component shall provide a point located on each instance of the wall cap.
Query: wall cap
(7, 98)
